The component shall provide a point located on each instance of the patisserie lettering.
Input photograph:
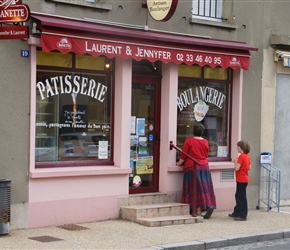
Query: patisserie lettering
(71, 84)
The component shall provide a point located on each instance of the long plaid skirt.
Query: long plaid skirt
(205, 197)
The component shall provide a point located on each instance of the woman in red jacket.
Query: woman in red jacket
(198, 148)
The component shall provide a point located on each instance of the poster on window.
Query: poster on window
(133, 125)
(133, 140)
(75, 119)
(144, 165)
(103, 150)
(142, 145)
(140, 126)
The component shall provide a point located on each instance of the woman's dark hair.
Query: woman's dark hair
(198, 129)
(245, 146)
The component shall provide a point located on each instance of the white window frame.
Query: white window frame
(207, 9)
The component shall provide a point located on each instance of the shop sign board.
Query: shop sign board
(12, 11)
(13, 32)
(161, 10)
(97, 46)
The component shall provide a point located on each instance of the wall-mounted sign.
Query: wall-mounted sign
(12, 11)
(161, 10)
(13, 32)
(24, 53)
(96, 46)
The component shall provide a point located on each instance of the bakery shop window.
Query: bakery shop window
(73, 110)
(204, 97)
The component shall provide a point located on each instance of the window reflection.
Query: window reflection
(206, 101)
(73, 113)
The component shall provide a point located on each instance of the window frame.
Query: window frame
(206, 10)
(81, 163)
(228, 82)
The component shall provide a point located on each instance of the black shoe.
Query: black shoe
(232, 215)
(240, 219)
(208, 213)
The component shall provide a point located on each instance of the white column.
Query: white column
(123, 90)
(169, 87)
(236, 109)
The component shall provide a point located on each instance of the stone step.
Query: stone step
(154, 210)
(169, 220)
(148, 198)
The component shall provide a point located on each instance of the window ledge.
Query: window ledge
(77, 171)
(212, 165)
(221, 165)
(86, 4)
(213, 23)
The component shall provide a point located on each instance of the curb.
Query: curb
(224, 241)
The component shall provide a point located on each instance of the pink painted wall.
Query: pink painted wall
(81, 194)
(65, 200)
(224, 190)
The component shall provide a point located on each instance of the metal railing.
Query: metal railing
(269, 186)
(171, 146)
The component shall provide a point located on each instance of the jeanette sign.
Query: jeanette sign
(12, 11)
(161, 10)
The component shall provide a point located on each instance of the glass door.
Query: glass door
(145, 135)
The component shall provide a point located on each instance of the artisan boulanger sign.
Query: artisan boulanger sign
(13, 11)
(161, 10)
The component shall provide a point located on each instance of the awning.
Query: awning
(84, 37)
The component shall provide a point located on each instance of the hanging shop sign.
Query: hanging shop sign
(161, 10)
(13, 11)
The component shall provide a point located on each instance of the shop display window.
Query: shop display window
(206, 100)
(73, 110)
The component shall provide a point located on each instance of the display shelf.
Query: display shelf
(46, 146)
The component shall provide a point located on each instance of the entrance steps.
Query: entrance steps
(155, 210)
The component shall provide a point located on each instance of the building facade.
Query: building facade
(105, 89)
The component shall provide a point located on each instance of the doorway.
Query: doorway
(145, 135)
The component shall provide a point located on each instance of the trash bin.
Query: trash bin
(5, 201)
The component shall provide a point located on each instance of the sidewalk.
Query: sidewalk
(219, 231)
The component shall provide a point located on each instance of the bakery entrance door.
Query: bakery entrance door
(145, 135)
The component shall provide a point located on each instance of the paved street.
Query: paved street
(218, 231)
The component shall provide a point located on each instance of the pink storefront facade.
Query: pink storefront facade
(83, 183)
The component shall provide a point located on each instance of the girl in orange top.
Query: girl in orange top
(242, 166)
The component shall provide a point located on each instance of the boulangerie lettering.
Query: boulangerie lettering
(206, 94)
